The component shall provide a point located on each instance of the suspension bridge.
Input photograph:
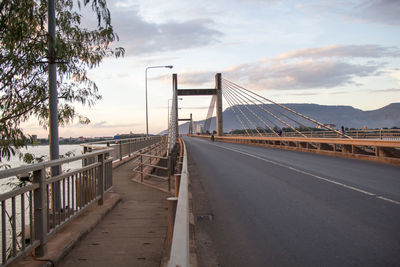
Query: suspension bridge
(280, 194)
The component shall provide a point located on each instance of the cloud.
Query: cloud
(389, 90)
(396, 74)
(371, 11)
(349, 51)
(140, 37)
(379, 11)
(322, 67)
(197, 79)
(191, 79)
(308, 74)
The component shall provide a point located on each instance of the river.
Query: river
(8, 183)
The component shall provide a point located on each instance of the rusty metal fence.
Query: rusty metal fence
(32, 212)
(382, 134)
(123, 147)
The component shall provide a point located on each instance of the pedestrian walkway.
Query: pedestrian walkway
(132, 234)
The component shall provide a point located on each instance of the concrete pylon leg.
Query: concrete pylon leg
(191, 124)
(218, 87)
(175, 88)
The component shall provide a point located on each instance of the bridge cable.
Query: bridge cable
(258, 117)
(263, 114)
(291, 110)
(281, 113)
(238, 117)
(246, 106)
(266, 106)
(229, 99)
(261, 107)
(288, 125)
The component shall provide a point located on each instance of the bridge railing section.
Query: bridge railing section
(179, 214)
(39, 206)
(123, 147)
(384, 134)
(153, 162)
(368, 149)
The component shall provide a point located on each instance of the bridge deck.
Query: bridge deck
(132, 234)
(256, 206)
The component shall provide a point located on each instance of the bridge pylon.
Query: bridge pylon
(218, 88)
(217, 91)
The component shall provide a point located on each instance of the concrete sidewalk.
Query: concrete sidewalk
(132, 234)
(128, 230)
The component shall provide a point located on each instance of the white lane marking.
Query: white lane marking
(313, 175)
(388, 199)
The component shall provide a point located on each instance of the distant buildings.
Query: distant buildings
(199, 128)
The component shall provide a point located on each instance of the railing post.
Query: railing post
(169, 164)
(177, 183)
(141, 167)
(150, 154)
(84, 161)
(172, 203)
(130, 148)
(100, 179)
(40, 211)
(120, 150)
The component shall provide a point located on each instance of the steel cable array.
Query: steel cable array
(263, 110)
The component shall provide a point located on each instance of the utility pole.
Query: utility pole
(53, 101)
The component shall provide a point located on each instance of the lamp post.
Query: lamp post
(168, 112)
(147, 111)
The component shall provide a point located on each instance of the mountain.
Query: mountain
(347, 116)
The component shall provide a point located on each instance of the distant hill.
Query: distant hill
(348, 116)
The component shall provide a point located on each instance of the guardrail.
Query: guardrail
(179, 253)
(369, 149)
(148, 160)
(32, 213)
(389, 134)
(123, 147)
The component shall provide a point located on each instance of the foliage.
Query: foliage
(24, 62)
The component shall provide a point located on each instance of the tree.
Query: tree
(24, 58)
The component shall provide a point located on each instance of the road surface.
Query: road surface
(258, 206)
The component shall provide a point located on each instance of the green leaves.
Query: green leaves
(24, 57)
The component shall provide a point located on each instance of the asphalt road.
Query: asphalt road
(257, 206)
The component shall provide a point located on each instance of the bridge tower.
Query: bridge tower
(218, 88)
(217, 91)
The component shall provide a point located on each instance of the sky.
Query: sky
(324, 52)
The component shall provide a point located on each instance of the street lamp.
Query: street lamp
(168, 111)
(147, 111)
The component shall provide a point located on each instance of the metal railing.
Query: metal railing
(384, 134)
(33, 212)
(123, 147)
(369, 149)
(180, 252)
(149, 159)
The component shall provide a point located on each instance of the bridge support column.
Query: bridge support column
(191, 125)
(218, 87)
(175, 96)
